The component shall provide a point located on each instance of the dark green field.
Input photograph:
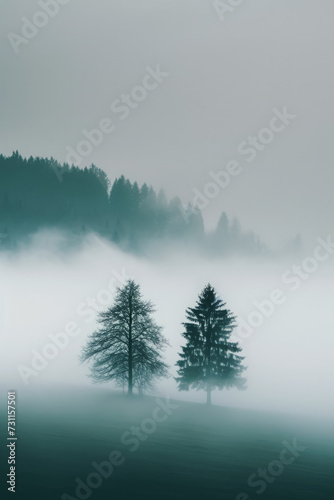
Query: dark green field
(197, 452)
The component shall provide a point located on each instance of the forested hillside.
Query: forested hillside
(38, 193)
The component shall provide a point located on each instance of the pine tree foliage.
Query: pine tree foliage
(209, 359)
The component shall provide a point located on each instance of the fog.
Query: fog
(45, 288)
(225, 78)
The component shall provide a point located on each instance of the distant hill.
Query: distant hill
(38, 193)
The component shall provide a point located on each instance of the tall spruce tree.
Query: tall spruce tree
(209, 359)
(128, 344)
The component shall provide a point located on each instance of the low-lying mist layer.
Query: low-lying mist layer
(50, 297)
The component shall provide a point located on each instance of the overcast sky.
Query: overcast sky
(225, 78)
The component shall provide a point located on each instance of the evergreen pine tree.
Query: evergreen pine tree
(209, 359)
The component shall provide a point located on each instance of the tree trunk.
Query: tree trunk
(130, 377)
(208, 369)
(130, 382)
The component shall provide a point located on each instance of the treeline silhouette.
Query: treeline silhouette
(39, 193)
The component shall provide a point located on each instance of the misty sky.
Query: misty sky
(225, 79)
